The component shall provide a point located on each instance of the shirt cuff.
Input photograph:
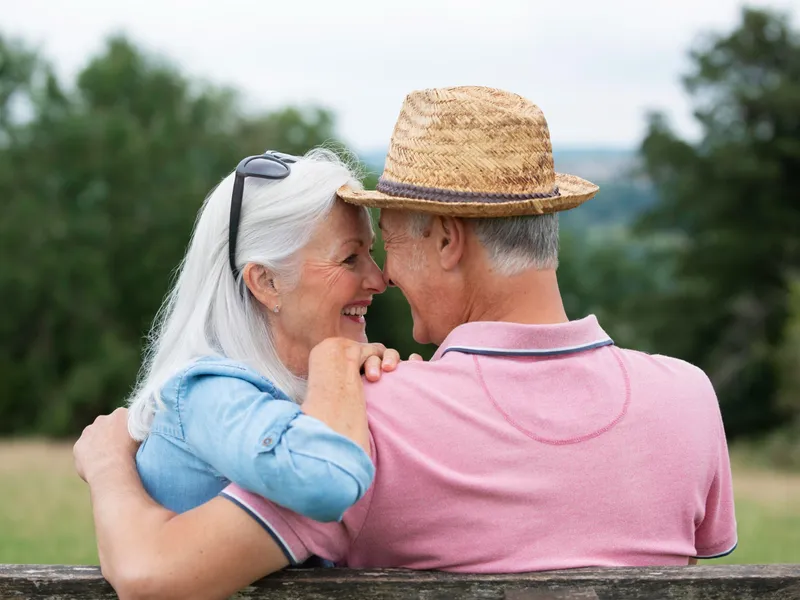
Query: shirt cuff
(269, 519)
(313, 439)
(717, 550)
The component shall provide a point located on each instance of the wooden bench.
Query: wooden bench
(718, 582)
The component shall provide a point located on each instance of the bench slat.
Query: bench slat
(717, 582)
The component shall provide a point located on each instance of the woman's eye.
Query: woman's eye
(351, 260)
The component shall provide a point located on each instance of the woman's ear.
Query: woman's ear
(261, 283)
(450, 240)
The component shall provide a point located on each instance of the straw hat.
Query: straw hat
(472, 152)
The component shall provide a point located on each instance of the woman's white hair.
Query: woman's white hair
(207, 312)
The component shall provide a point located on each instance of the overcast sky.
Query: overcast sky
(594, 67)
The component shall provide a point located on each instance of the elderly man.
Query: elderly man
(528, 442)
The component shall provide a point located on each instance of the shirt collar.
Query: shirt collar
(514, 339)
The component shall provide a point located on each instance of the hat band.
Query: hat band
(419, 192)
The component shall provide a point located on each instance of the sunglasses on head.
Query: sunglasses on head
(270, 165)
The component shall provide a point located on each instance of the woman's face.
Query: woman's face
(337, 281)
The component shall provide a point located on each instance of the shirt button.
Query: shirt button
(267, 441)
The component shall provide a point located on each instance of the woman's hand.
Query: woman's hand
(104, 445)
(335, 392)
(376, 364)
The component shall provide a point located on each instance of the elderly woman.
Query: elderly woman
(236, 381)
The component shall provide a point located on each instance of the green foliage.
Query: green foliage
(788, 359)
(616, 276)
(782, 448)
(100, 188)
(619, 202)
(731, 198)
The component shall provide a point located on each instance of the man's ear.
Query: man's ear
(261, 283)
(450, 238)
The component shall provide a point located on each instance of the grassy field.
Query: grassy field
(45, 516)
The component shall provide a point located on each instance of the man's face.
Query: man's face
(411, 266)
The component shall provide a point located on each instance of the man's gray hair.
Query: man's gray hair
(513, 244)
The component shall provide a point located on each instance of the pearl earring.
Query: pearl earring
(276, 309)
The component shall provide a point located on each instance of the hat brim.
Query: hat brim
(574, 191)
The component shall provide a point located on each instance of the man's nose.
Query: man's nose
(385, 272)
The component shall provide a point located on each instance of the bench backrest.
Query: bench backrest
(742, 582)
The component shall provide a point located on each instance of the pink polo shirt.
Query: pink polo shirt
(531, 447)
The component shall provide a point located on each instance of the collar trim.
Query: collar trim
(528, 351)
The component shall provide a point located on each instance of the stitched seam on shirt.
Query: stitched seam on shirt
(266, 526)
(181, 389)
(329, 461)
(263, 519)
(371, 492)
(230, 364)
(721, 442)
(718, 554)
(714, 479)
(552, 442)
(717, 545)
(278, 430)
(165, 435)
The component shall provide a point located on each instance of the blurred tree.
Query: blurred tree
(620, 201)
(732, 197)
(25, 81)
(782, 448)
(608, 272)
(788, 360)
(100, 187)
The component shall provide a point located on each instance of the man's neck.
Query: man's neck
(531, 298)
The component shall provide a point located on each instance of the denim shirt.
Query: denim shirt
(222, 422)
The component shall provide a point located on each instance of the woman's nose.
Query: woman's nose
(375, 280)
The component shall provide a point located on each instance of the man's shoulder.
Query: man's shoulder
(414, 376)
(675, 372)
